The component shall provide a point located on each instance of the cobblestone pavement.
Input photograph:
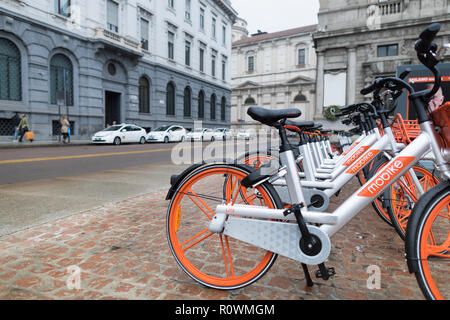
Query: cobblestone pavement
(122, 252)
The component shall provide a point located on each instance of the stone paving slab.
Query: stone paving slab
(122, 252)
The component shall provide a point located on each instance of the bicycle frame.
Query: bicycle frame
(333, 222)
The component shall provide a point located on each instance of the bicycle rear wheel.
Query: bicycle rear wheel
(215, 260)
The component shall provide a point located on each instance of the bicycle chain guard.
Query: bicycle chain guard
(279, 237)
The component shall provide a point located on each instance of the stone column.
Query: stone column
(320, 84)
(351, 75)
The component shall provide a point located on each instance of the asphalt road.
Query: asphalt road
(41, 184)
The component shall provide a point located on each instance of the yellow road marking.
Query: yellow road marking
(81, 156)
(90, 155)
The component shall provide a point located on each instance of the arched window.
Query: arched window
(223, 107)
(187, 102)
(213, 106)
(170, 99)
(144, 95)
(300, 98)
(61, 79)
(250, 101)
(201, 104)
(10, 71)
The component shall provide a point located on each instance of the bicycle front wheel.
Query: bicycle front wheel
(428, 242)
(216, 260)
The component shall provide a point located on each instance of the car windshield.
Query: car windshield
(112, 128)
(162, 128)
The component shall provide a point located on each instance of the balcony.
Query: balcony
(115, 42)
(390, 8)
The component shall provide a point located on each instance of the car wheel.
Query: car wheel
(182, 139)
(213, 139)
(142, 141)
(117, 141)
(166, 139)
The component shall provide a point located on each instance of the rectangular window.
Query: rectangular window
(213, 32)
(224, 67)
(170, 44)
(213, 66)
(301, 57)
(187, 56)
(224, 35)
(202, 60)
(188, 10)
(144, 33)
(202, 18)
(62, 7)
(251, 63)
(171, 3)
(388, 50)
(112, 16)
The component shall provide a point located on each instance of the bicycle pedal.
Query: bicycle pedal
(325, 273)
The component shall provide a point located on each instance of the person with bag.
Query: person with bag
(65, 125)
(23, 126)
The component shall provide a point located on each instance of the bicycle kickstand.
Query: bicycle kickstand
(309, 281)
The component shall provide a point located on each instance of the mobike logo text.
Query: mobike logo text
(382, 179)
(363, 161)
(355, 156)
(350, 148)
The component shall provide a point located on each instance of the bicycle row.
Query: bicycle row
(227, 222)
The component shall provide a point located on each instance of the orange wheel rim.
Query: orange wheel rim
(429, 247)
(232, 187)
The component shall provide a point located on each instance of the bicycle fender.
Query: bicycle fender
(175, 180)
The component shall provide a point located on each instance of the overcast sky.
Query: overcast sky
(276, 15)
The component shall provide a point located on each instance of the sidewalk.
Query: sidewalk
(122, 252)
(28, 144)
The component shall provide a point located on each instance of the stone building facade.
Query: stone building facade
(360, 40)
(153, 62)
(273, 70)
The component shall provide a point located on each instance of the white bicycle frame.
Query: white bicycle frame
(333, 222)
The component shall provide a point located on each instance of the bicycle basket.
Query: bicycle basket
(441, 117)
(405, 131)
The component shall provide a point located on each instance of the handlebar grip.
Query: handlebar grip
(430, 33)
(368, 89)
(423, 45)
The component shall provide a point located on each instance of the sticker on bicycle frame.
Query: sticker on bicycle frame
(350, 148)
(355, 156)
(384, 177)
(363, 161)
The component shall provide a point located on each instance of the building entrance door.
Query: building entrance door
(112, 107)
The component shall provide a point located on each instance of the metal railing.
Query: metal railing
(390, 7)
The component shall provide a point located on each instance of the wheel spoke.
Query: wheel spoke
(198, 241)
(202, 202)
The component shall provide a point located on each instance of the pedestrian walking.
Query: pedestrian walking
(23, 126)
(65, 125)
(15, 120)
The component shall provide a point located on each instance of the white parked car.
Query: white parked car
(167, 134)
(201, 134)
(245, 134)
(120, 133)
(222, 134)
